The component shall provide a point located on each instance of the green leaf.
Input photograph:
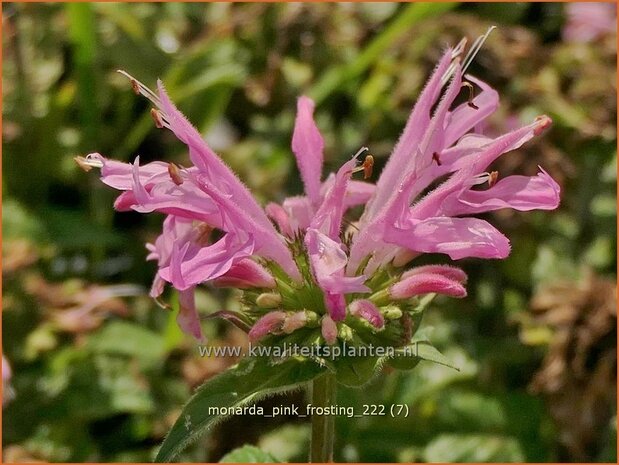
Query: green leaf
(248, 454)
(240, 385)
(408, 357)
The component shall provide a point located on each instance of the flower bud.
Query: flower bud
(269, 324)
(329, 330)
(294, 321)
(425, 283)
(392, 312)
(269, 300)
(366, 310)
(345, 332)
(245, 274)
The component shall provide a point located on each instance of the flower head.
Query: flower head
(306, 277)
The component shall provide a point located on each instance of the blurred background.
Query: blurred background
(94, 370)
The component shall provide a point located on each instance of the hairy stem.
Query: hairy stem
(324, 390)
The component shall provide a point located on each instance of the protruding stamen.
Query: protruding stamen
(140, 88)
(89, 162)
(175, 174)
(492, 178)
(475, 48)
(469, 86)
(157, 117)
(458, 49)
(437, 158)
(452, 67)
(360, 151)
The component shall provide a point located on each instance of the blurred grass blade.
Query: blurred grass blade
(408, 17)
(82, 33)
(240, 385)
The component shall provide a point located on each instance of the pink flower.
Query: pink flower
(299, 251)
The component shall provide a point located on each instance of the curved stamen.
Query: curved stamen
(470, 103)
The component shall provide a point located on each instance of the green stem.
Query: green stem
(324, 390)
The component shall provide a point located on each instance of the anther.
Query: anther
(140, 88)
(175, 174)
(493, 176)
(469, 86)
(367, 166)
(156, 115)
(135, 86)
(436, 158)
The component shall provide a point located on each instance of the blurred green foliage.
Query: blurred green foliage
(105, 381)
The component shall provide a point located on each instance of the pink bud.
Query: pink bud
(295, 321)
(245, 274)
(449, 272)
(425, 283)
(365, 309)
(329, 330)
(270, 323)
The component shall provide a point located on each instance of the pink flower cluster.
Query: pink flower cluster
(399, 221)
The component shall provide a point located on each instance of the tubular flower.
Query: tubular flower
(305, 278)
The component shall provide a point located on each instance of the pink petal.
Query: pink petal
(188, 318)
(268, 242)
(456, 237)
(506, 143)
(245, 274)
(358, 193)
(522, 193)
(328, 218)
(208, 162)
(300, 212)
(119, 175)
(410, 139)
(328, 261)
(191, 265)
(450, 272)
(307, 145)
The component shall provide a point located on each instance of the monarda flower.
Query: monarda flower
(308, 276)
